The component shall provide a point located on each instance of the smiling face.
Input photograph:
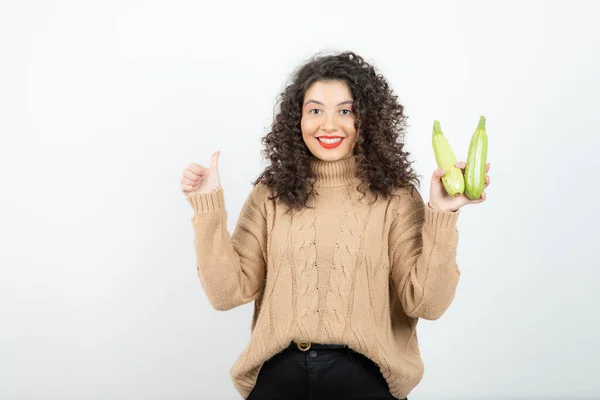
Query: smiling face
(328, 119)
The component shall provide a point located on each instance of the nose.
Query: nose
(329, 123)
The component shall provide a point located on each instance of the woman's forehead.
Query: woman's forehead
(328, 92)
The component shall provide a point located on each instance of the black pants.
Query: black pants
(320, 374)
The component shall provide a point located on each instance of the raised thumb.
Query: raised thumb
(214, 160)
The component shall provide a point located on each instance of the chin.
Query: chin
(344, 151)
(330, 156)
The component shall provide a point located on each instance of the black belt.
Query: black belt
(305, 346)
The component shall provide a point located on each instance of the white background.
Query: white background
(104, 103)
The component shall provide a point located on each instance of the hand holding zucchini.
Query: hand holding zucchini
(455, 184)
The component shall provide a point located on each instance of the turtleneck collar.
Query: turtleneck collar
(335, 173)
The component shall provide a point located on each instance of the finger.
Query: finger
(487, 180)
(487, 168)
(192, 175)
(186, 188)
(438, 174)
(188, 182)
(460, 164)
(196, 168)
(214, 160)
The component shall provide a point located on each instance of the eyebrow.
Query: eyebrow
(318, 102)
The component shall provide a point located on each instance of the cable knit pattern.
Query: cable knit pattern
(302, 256)
(347, 251)
(346, 271)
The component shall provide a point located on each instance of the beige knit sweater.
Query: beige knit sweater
(343, 272)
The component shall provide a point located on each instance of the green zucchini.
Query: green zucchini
(453, 179)
(475, 169)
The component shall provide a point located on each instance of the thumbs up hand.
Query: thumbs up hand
(197, 179)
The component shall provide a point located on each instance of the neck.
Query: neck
(335, 173)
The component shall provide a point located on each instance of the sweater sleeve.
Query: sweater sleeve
(422, 245)
(231, 268)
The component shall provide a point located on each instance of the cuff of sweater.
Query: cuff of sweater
(205, 202)
(441, 219)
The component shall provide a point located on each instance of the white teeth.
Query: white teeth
(329, 141)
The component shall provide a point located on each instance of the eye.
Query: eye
(349, 111)
(314, 109)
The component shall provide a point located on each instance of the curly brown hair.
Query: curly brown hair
(381, 162)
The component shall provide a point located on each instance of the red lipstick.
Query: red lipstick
(330, 145)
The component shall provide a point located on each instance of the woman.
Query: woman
(334, 244)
